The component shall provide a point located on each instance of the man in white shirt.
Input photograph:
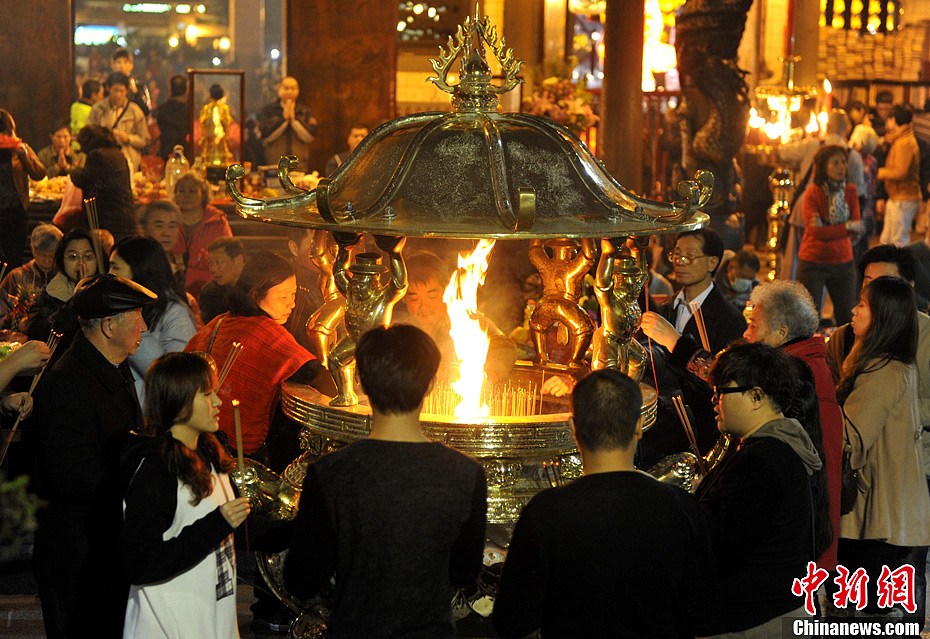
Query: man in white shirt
(124, 117)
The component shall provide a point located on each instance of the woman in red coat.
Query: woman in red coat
(831, 213)
(260, 303)
(201, 223)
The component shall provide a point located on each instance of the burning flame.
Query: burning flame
(470, 340)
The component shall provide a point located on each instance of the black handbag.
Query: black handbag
(849, 491)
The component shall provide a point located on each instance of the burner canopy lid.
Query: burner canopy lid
(474, 172)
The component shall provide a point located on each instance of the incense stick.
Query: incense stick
(228, 364)
(235, 407)
(682, 411)
(93, 221)
(3, 271)
(702, 328)
(52, 343)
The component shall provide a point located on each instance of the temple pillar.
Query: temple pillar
(621, 131)
(36, 81)
(806, 41)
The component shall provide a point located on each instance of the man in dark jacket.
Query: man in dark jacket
(86, 406)
(695, 258)
(615, 553)
(287, 127)
(173, 119)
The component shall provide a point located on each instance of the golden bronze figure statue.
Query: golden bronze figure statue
(369, 302)
(618, 283)
(215, 122)
(562, 276)
(325, 321)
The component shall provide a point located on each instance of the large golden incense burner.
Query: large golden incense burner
(476, 173)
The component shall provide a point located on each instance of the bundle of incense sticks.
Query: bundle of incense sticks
(236, 418)
(93, 222)
(228, 364)
(553, 471)
(689, 431)
(702, 328)
(52, 343)
(239, 454)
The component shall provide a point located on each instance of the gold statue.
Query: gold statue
(323, 324)
(215, 120)
(562, 276)
(617, 288)
(369, 302)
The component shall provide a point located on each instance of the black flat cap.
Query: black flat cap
(105, 295)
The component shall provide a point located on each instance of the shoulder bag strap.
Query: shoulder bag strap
(216, 330)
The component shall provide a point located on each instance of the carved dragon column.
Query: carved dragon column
(714, 109)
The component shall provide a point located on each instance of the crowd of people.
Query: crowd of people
(130, 436)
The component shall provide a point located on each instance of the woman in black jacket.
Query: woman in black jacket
(106, 176)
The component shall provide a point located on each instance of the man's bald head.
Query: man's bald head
(289, 89)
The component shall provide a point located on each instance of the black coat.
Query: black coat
(84, 410)
(106, 176)
(724, 322)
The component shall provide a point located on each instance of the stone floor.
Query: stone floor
(21, 614)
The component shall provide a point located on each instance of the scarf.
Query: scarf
(837, 208)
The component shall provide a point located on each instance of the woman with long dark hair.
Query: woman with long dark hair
(18, 163)
(830, 208)
(878, 393)
(180, 511)
(170, 320)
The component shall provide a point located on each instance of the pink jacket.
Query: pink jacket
(213, 225)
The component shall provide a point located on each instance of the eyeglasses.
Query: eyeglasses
(80, 257)
(726, 390)
(676, 257)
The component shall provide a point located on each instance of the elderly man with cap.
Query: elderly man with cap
(85, 409)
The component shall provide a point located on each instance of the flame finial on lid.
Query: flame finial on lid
(474, 92)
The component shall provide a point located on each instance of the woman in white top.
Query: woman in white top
(180, 511)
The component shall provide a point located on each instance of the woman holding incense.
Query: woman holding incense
(180, 510)
(170, 320)
(260, 303)
(830, 207)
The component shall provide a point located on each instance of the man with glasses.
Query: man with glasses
(695, 259)
(757, 501)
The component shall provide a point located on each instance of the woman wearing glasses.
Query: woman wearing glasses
(758, 501)
(75, 259)
(878, 392)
